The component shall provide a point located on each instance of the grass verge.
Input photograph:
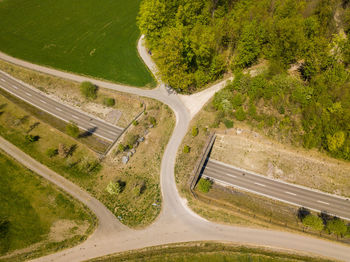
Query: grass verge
(138, 202)
(37, 218)
(86, 37)
(209, 251)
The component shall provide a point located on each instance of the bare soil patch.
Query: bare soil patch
(246, 149)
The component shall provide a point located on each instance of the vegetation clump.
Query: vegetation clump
(204, 185)
(108, 101)
(88, 90)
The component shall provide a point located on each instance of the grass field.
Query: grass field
(199, 251)
(31, 209)
(88, 37)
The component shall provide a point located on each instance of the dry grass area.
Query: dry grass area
(68, 92)
(249, 150)
(139, 201)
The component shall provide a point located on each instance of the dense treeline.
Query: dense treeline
(197, 41)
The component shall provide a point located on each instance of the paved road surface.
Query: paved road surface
(176, 222)
(278, 190)
(88, 123)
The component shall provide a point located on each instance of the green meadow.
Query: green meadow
(88, 37)
(31, 208)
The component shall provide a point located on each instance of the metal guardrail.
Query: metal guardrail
(197, 170)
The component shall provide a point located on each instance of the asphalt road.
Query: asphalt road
(289, 193)
(176, 222)
(66, 113)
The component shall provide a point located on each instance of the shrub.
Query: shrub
(152, 120)
(88, 90)
(121, 147)
(204, 185)
(131, 140)
(109, 101)
(187, 149)
(195, 131)
(228, 123)
(135, 122)
(314, 222)
(114, 188)
(31, 138)
(72, 129)
(240, 114)
(51, 152)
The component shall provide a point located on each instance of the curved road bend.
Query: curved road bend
(66, 113)
(176, 223)
(278, 190)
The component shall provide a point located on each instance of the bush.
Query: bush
(72, 129)
(135, 122)
(88, 90)
(195, 131)
(228, 123)
(51, 152)
(109, 101)
(121, 147)
(131, 140)
(152, 120)
(240, 114)
(204, 185)
(31, 138)
(187, 149)
(314, 222)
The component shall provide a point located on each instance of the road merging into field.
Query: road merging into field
(66, 113)
(278, 190)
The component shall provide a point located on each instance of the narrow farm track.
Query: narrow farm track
(176, 223)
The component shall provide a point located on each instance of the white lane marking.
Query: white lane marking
(28, 94)
(15, 87)
(231, 175)
(42, 101)
(3, 80)
(290, 193)
(58, 109)
(112, 132)
(319, 201)
(75, 117)
(260, 184)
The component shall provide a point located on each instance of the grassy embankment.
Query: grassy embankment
(228, 205)
(35, 217)
(85, 37)
(214, 252)
(81, 165)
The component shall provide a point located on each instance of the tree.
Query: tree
(88, 90)
(248, 47)
(204, 185)
(72, 129)
(240, 114)
(335, 141)
(337, 227)
(314, 222)
(152, 120)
